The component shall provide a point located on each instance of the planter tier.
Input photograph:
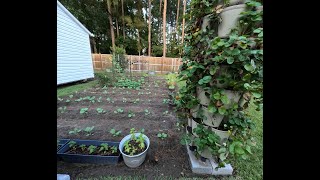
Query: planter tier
(92, 159)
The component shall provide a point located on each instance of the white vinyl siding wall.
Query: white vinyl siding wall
(74, 61)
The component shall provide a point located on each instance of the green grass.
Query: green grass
(64, 91)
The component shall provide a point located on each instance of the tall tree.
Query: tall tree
(177, 20)
(183, 21)
(123, 32)
(111, 26)
(164, 27)
(149, 29)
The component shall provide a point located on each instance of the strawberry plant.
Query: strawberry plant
(88, 130)
(92, 149)
(62, 109)
(100, 110)
(146, 112)
(114, 132)
(104, 147)
(75, 131)
(119, 110)
(84, 110)
(83, 147)
(72, 145)
(131, 114)
(162, 135)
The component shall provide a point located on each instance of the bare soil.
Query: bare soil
(165, 158)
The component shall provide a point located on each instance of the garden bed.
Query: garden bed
(166, 157)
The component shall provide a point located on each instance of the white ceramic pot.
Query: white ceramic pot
(229, 16)
(135, 160)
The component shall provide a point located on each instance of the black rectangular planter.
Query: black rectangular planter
(62, 142)
(92, 159)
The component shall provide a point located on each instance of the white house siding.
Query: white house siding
(74, 61)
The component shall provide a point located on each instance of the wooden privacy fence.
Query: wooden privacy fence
(139, 63)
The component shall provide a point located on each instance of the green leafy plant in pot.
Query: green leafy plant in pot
(222, 76)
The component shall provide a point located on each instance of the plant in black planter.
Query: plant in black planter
(133, 148)
(222, 76)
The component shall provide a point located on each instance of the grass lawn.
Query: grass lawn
(66, 90)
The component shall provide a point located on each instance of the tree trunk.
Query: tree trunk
(177, 22)
(124, 35)
(111, 25)
(117, 27)
(139, 45)
(164, 28)
(183, 21)
(149, 28)
(93, 42)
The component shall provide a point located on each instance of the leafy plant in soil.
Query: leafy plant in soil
(99, 99)
(135, 145)
(114, 132)
(146, 112)
(84, 110)
(62, 109)
(100, 110)
(88, 130)
(75, 131)
(119, 110)
(68, 100)
(131, 114)
(162, 135)
(71, 96)
(83, 147)
(92, 149)
(72, 145)
(165, 101)
(78, 100)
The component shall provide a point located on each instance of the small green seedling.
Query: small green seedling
(75, 131)
(114, 132)
(84, 110)
(165, 113)
(113, 92)
(146, 112)
(99, 99)
(89, 130)
(100, 110)
(78, 100)
(60, 99)
(114, 149)
(104, 147)
(162, 135)
(72, 144)
(92, 148)
(105, 92)
(109, 99)
(119, 110)
(68, 100)
(62, 109)
(71, 96)
(136, 101)
(131, 114)
(83, 147)
(165, 101)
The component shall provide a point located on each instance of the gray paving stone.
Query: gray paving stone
(197, 166)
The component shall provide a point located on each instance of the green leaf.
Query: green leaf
(230, 60)
(260, 34)
(225, 99)
(221, 43)
(248, 148)
(248, 67)
(189, 37)
(159, 135)
(211, 108)
(222, 156)
(222, 110)
(244, 156)
(216, 96)
(235, 51)
(246, 77)
(247, 86)
(204, 80)
(231, 148)
(256, 95)
(213, 70)
(242, 58)
(238, 150)
(222, 150)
